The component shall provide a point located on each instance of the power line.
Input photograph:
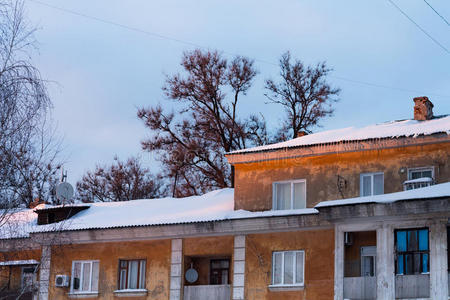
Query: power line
(442, 17)
(418, 26)
(160, 36)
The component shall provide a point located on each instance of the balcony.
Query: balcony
(417, 183)
(207, 292)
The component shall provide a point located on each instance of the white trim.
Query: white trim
(82, 262)
(372, 185)
(292, 182)
(294, 265)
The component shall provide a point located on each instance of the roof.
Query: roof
(392, 129)
(434, 191)
(213, 206)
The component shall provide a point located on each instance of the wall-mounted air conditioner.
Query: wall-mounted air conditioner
(62, 280)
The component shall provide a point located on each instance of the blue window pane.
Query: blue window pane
(425, 263)
(400, 265)
(401, 240)
(423, 239)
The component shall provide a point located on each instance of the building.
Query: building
(354, 213)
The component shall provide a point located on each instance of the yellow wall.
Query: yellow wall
(253, 181)
(157, 254)
(319, 264)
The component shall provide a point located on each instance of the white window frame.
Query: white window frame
(294, 279)
(82, 262)
(431, 168)
(369, 251)
(361, 185)
(292, 182)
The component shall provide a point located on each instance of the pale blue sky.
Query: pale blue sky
(105, 72)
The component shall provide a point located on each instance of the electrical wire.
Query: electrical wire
(160, 36)
(420, 28)
(441, 16)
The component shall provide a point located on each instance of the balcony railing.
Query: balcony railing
(417, 183)
(207, 292)
(412, 286)
(360, 288)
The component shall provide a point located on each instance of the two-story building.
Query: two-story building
(353, 213)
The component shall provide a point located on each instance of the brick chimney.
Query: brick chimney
(423, 109)
(301, 133)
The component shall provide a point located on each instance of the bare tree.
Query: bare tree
(28, 150)
(304, 93)
(191, 141)
(121, 181)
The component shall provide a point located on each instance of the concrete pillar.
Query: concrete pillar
(239, 268)
(44, 272)
(385, 263)
(438, 261)
(176, 274)
(338, 264)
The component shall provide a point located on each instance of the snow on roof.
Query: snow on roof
(17, 223)
(433, 191)
(213, 206)
(19, 262)
(393, 129)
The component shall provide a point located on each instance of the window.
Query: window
(412, 251)
(368, 260)
(219, 271)
(419, 177)
(288, 268)
(84, 276)
(371, 184)
(417, 173)
(28, 278)
(131, 274)
(289, 194)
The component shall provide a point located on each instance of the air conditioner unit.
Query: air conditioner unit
(348, 239)
(62, 280)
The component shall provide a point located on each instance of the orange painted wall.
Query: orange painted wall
(253, 181)
(157, 254)
(319, 264)
(13, 274)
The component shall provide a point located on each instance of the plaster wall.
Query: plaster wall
(157, 254)
(253, 181)
(10, 276)
(319, 264)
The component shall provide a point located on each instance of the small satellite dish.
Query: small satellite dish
(191, 275)
(64, 191)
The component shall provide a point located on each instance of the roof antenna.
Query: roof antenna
(64, 190)
(63, 175)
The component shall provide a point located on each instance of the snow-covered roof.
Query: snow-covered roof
(393, 129)
(19, 262)
(213, 206)
(433, 191)
(17, 223)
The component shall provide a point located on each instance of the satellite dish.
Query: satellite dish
(191, 275)
(64, 191)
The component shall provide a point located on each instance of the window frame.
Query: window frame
(409, 252)
(292, 182)
(82, 262)
(294, 262)
(211, 269)
(410, 170)
(140, 273)
(361, 185)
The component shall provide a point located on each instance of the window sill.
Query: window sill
(285, 288)
(83, 295)
(130, 293)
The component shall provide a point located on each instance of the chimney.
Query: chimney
(301, 133)
(423, 109)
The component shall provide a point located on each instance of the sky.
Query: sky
(107, 58)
